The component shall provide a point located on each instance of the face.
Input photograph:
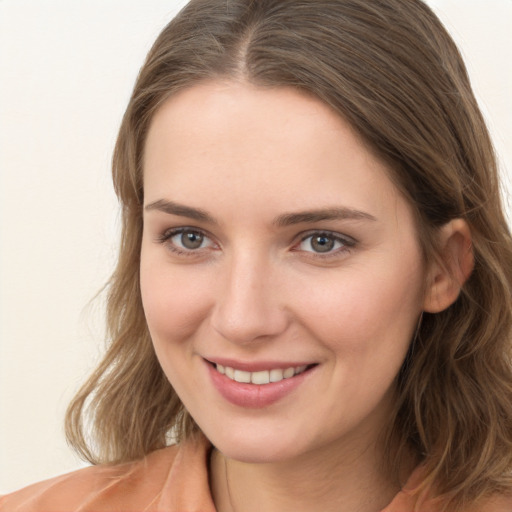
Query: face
(281, 274)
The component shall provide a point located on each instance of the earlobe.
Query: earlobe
(450, 271)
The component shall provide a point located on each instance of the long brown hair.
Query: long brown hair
(391, 70)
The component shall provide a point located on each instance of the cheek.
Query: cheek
(366, 310)
(174, 302)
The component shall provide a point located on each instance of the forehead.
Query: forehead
(272, 147)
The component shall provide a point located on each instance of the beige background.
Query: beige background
(66, 71)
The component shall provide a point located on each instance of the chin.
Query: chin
(246, 445)
(256, 454)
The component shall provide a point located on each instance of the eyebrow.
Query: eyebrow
(286, 219)
(181, 210)
(311, 216)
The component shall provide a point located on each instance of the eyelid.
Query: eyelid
(327, 232)
(165, 239)
(347, 241)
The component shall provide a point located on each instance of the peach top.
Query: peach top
(173, 479)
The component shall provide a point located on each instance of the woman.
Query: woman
(313, 294)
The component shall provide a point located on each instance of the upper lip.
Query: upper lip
(257, 366)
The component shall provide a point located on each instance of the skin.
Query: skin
(257, 289)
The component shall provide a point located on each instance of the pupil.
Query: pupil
(191, 240)
(322, 243)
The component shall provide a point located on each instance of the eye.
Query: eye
(186, 240)
(325, 243)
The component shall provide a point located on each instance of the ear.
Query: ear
(450, 270)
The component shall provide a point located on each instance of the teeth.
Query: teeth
(276, 375)
(289, 372)
(262, 377)
(241, 376)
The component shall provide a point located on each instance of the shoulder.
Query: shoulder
(411, 498)
(152, 483)
(101, 485)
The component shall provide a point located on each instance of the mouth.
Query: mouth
(260, 377)
(257, 385)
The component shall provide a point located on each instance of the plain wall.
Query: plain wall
(66, 71)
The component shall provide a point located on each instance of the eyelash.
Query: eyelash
(166, 236)
(348, 243)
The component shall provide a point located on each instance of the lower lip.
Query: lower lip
(255, 396)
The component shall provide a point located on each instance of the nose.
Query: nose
(249, 304)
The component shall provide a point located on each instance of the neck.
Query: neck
(348, 481)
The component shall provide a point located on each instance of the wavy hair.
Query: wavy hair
(390, 69)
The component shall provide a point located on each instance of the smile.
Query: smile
(256, 385)
(260, 377)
